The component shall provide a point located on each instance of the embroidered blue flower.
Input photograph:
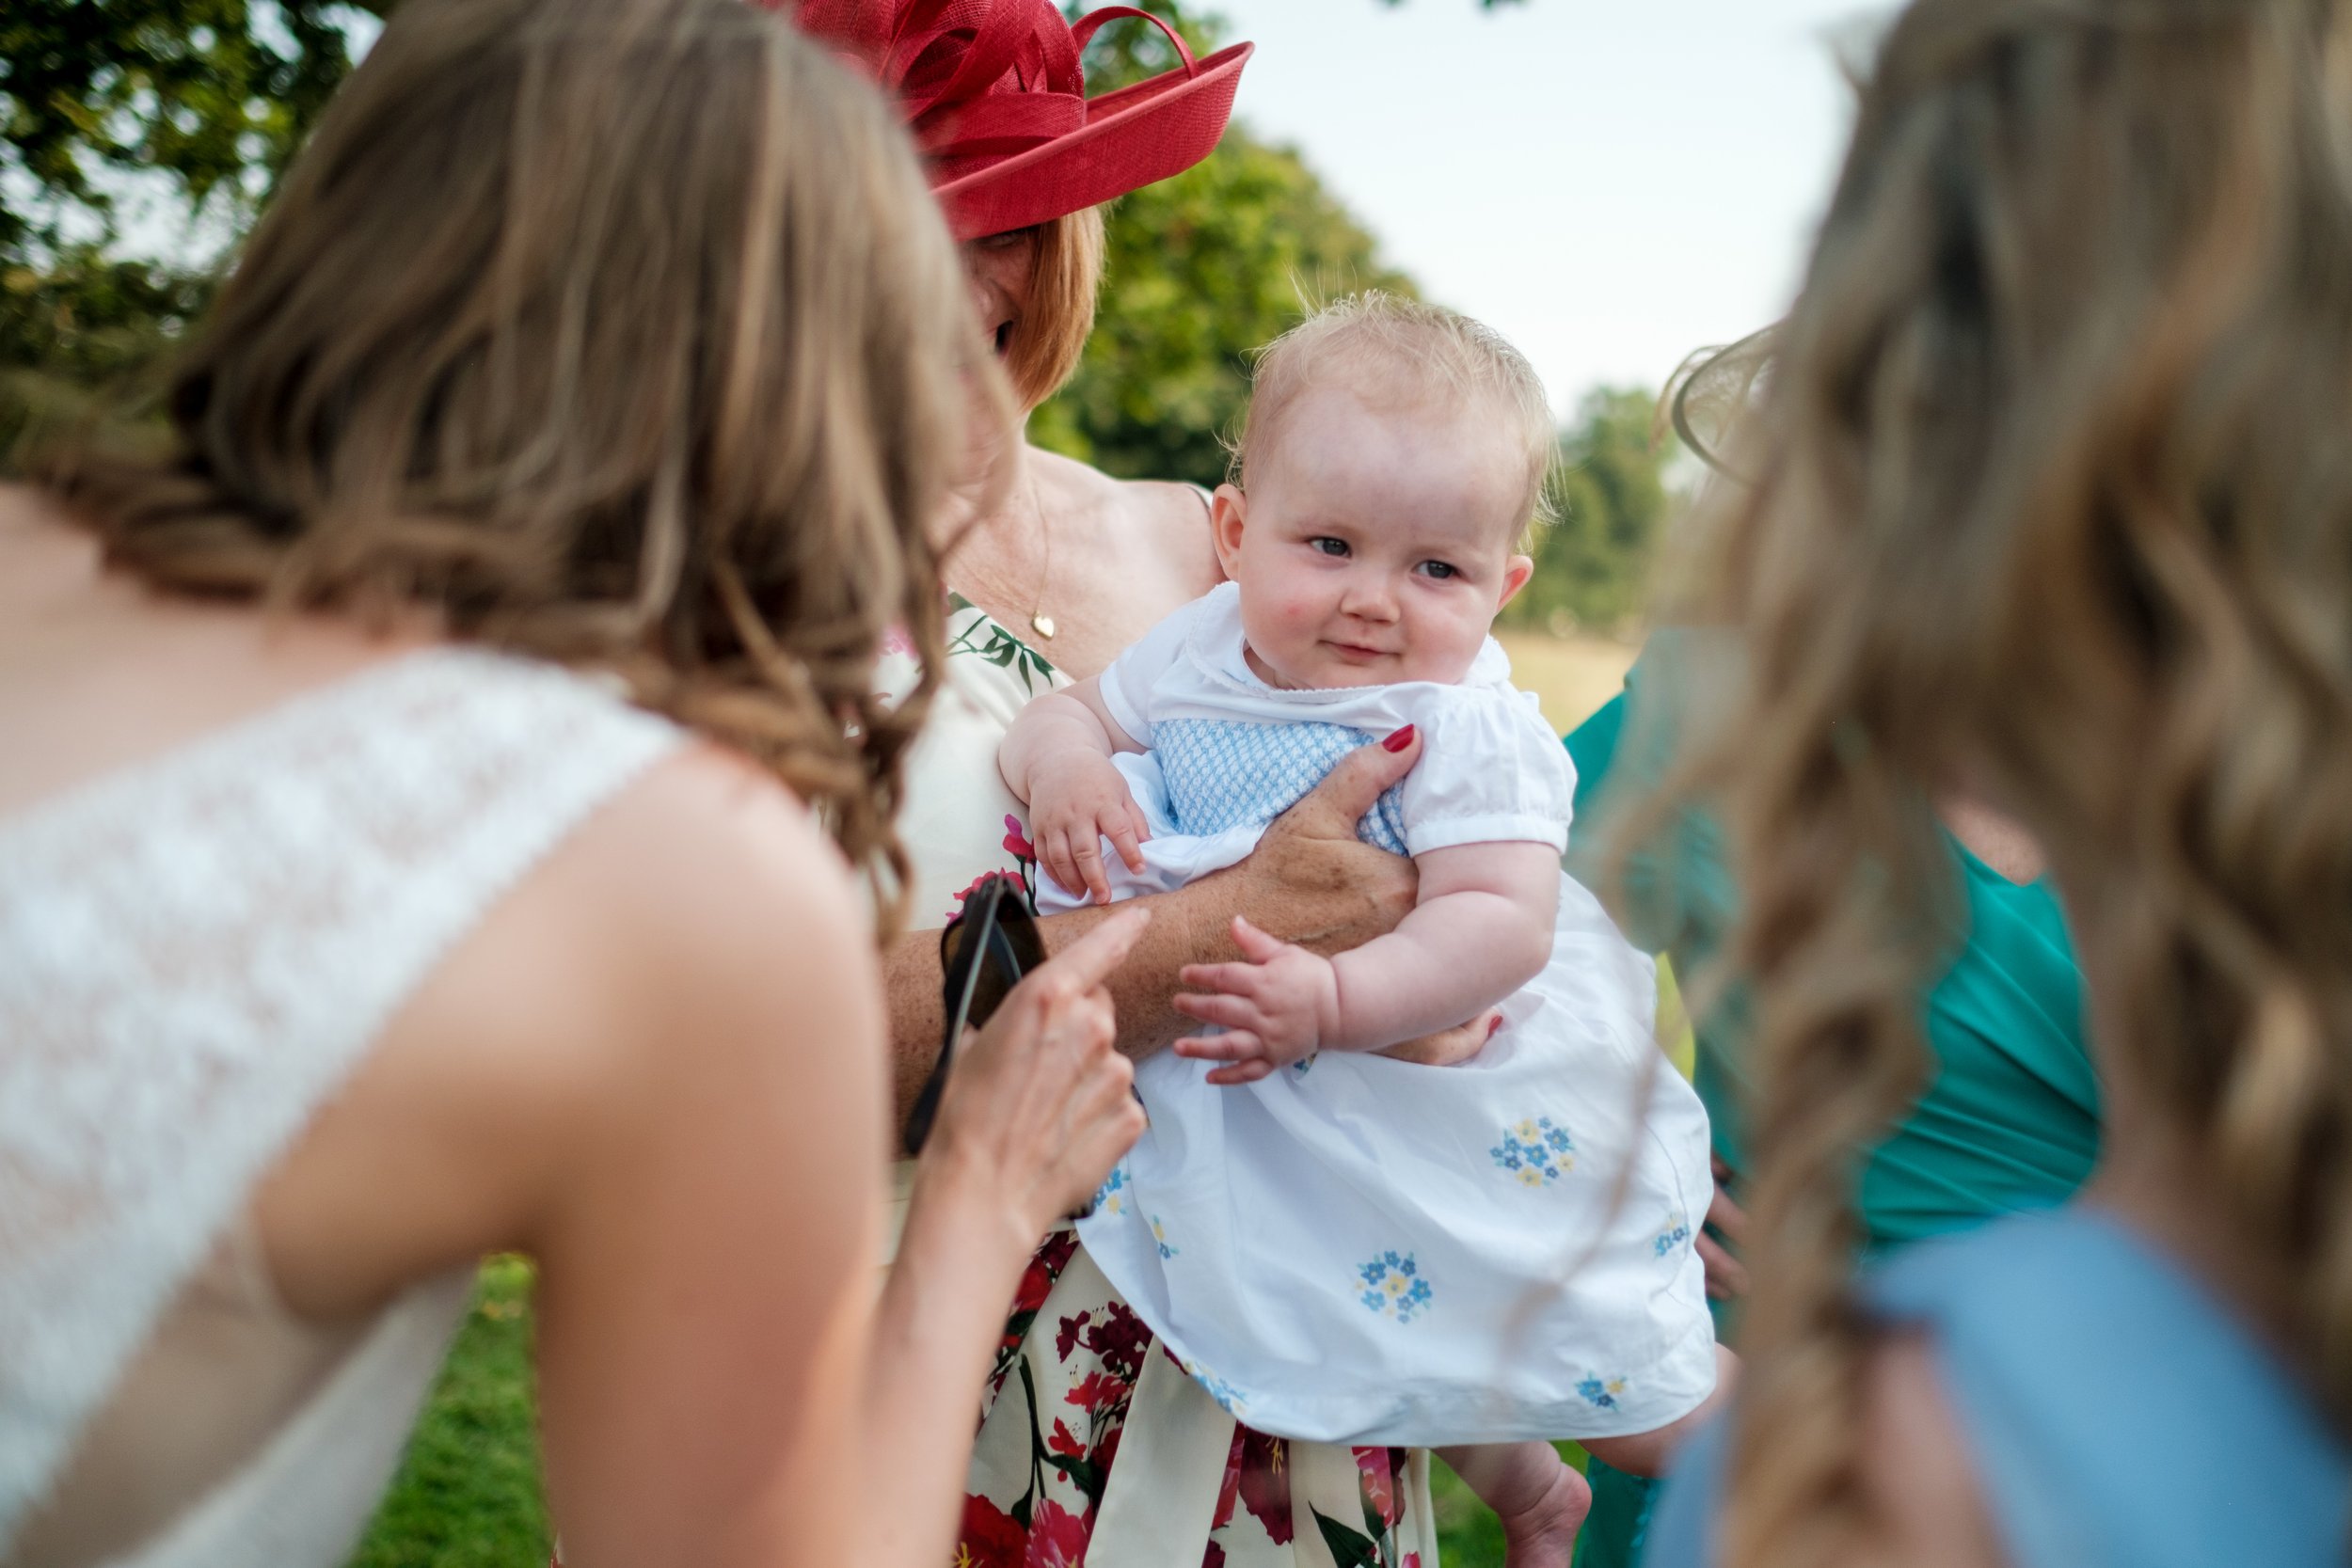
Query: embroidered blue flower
(1392, 1285)
(1226, 1395)
(1536, 1150)
(1160, 1236)
(1676, 1231)
(1602, 1393)
(1109, 1198)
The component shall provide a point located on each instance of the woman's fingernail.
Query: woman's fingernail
(1493, 1025)
(1398, 739)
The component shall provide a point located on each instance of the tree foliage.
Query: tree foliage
(1592, 565)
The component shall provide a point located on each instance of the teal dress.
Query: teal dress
(2009, 1122)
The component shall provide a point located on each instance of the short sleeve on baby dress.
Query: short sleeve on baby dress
(1490, 771)
(1127, 686)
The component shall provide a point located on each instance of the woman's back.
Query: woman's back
(301, 1005)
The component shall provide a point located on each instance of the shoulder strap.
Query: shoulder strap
(194, 954)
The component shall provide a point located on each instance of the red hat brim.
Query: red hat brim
(1133, 137)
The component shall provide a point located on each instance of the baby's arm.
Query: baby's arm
(1481, 930)
(1057, 758)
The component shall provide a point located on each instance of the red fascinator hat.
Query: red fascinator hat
(993, 91)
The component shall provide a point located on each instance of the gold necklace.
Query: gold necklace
(1039, 621)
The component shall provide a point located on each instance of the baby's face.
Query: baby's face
(1374, 543)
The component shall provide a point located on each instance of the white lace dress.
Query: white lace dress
(194, 954)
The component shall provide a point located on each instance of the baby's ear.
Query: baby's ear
(1515, 572)
(1229, 514)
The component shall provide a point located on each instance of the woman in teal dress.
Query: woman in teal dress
(2009, 1123)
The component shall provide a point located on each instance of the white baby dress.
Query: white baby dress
(1367, 1250)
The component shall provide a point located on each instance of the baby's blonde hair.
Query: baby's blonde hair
(1426, 351)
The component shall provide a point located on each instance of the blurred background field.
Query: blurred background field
(1570, 675)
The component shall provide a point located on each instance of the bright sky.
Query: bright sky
(1610, 184)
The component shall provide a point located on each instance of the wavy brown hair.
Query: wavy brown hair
(622, 333)
(2052, 501)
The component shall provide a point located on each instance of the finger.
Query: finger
(1234, 1045)
(1352, 788)
(1227, 979)
(1241, 1073)
(1255, 945)
(1143, 824)
(1087, 848)
(1054, 853)
(1122, 836)
(1726, 1274)
(1087, 961)
(1232, 1012)
(1728, 1218)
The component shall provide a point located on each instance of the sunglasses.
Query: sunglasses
(983, 953)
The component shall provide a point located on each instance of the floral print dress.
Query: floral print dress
(1094, 1445)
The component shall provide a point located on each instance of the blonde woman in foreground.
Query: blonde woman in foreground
(335, 949)
(2052, 509)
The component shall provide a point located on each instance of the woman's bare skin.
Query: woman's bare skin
(658, 1066)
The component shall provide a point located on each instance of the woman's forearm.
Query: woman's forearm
(940, 1317)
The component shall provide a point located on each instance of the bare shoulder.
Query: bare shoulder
(1925, 1501)
(1170, 520)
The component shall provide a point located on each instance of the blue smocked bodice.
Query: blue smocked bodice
(1229, 773)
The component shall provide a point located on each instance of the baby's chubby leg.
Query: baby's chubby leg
(1648, 1453)
(1541, 1501)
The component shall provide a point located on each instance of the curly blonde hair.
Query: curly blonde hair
(622, 333)
(2050, 503)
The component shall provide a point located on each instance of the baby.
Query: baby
(1338, 1245)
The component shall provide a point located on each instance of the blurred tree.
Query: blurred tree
(1203, 269)
(121, 125)
(1593, 565)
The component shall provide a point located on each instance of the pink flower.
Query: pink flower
(1016, 844)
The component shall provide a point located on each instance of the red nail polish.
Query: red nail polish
(1398, 740)
(1493, 1025)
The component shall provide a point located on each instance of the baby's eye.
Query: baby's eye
(1440, 570)
(1327, 545)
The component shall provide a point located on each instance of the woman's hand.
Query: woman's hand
(1726, 1276)
(1310, 880)
(1039, 1106)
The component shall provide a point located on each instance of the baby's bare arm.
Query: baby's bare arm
(1058, 759)
(1481, 929)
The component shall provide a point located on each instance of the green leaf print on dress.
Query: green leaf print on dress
(983, 638)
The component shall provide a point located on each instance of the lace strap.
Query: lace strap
(194, 954)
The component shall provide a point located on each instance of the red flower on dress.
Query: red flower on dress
(1215, 1557)
(1057, 1538)
(1045, 1266)
(1064, 1441)
(1229, 1492)
(1265, 1483)
(1378, 1468)
(990, 1538)
(1016, 842)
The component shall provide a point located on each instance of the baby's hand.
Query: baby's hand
(1073, 806)
(1278, 1007)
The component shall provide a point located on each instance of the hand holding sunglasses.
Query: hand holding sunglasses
(1027, 1079)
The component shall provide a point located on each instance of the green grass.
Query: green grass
(467, 1494)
